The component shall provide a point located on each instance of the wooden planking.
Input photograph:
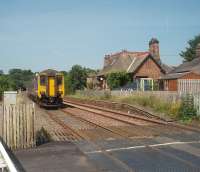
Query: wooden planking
(18, 125)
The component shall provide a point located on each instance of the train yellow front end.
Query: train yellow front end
(49, 87)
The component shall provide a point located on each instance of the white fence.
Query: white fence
(164, 95)
(192, 87)
(188, 86)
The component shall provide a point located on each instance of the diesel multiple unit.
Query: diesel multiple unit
(48, 88)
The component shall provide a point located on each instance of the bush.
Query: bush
(118, 79)
(187, 110)
(42, 137)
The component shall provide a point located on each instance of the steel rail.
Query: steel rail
(121, 163)
(94, 124)
(82, 106)
(160, 122)
(66, 127)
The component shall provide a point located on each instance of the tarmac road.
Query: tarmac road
(160, 154)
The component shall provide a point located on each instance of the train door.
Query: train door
(51, 86)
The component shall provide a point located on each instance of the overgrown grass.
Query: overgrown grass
(158, 105)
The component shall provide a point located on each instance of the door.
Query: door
(51, 86)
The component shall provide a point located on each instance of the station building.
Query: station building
(145, 68)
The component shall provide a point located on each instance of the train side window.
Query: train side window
(59, 80)
(42, 80)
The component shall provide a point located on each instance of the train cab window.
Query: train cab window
(59, 80)
(42, 80)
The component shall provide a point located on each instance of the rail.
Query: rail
(7, 162)
(145, 118)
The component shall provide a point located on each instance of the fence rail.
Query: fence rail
(18, 125)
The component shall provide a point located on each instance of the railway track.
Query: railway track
(69, 131)
(118, 131)
(81, 135)
(117, 115)
(73, 112)
(121, 128)
(122, 115)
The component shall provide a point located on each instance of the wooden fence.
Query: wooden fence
(18, 125)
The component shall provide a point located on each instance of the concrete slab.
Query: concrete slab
(55, 157)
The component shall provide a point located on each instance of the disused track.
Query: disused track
(121, 115)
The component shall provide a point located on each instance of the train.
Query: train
(48, 88)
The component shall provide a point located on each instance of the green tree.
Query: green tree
(189, 54)
(68, 85)
(20, 79)
(117, 79)
(4, 84)
(77, 76)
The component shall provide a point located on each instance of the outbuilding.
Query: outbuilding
(184, 77)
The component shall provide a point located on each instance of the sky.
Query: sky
(41, 34)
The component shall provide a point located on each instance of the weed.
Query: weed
(42, 137)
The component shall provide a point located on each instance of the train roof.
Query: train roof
(50, 72)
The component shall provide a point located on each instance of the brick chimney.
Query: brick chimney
(198, 50)
(154, 49)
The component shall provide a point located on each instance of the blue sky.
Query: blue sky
(40, 34)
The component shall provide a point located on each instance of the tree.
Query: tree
(4, 84)
(189, 54)
(1, 72)
(118, 79)
(20, 79)
(77, 77)
(67, 81)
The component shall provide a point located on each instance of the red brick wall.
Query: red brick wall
(191, 76)
(149, 69)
